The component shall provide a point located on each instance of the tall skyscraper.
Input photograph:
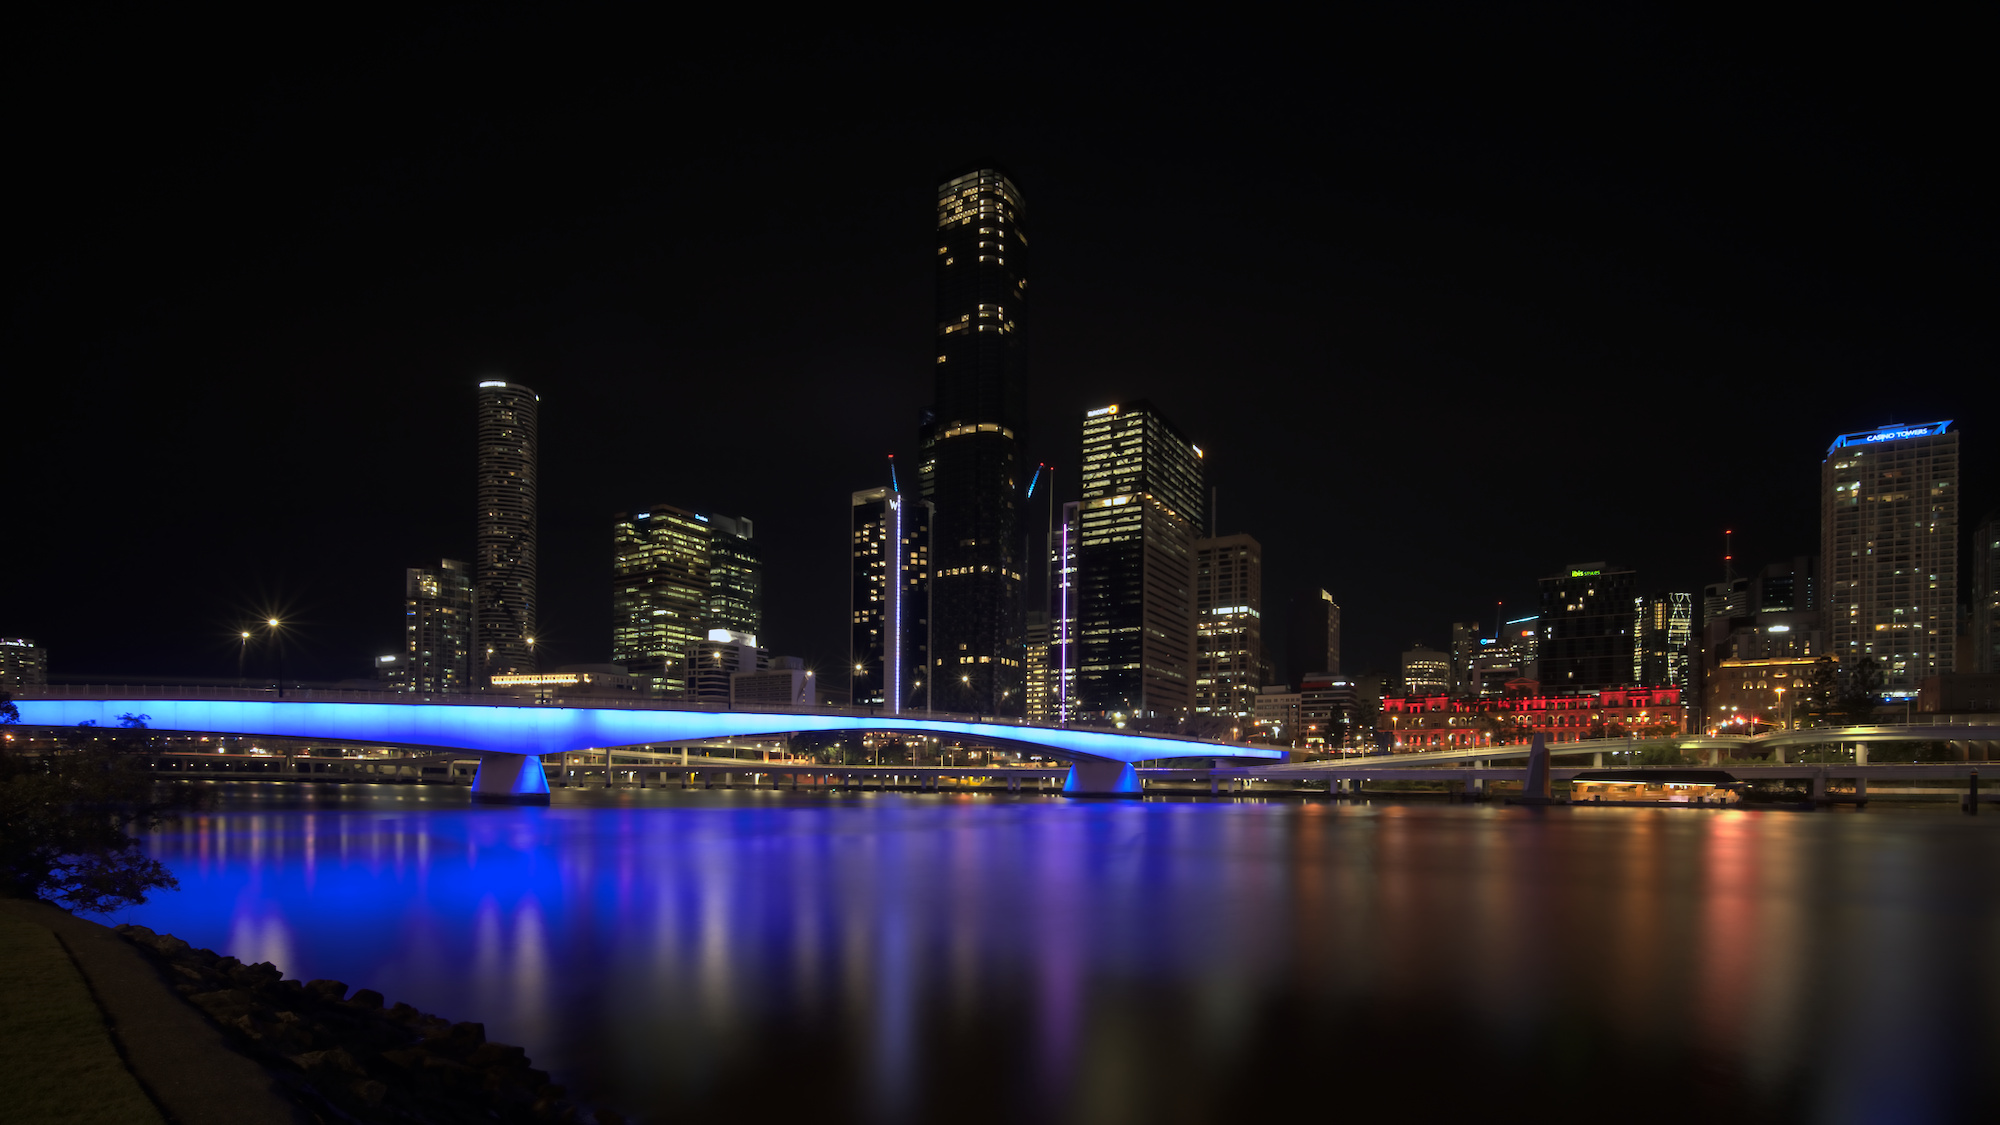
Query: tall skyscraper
(1313, 644)
(973, 468)
(1889, 546)
(1986, 594)
(1586, 629)
(1064, 604)
(1041, 678)
(892, 602)
(1229, 625)
(1142, 496)
(504, 578)
(437, 607)
(735, 577)
(659, 596)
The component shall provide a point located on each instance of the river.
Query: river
(912, 957)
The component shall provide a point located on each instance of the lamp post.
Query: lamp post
(278, 655)
(242, 650)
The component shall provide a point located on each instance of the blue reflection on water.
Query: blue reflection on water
(894, 957)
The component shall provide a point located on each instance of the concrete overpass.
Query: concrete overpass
(510, 739)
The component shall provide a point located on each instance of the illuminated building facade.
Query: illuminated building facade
(437, 627)
(1229, 625)
(973, 470)
(24, 665)
(659, 596)
(1889, 546)
(1312, 642)
(1142, 493)
(1586, 628)
(1443, 722)
(1328, 706)
(891, 604)
(1663, 639)
(1757, 693)
(718, 658)
(1041, 681)
(504, 535)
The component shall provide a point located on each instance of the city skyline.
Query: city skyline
(1305, 356)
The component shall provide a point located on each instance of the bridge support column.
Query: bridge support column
(1777, 755)
(1597, 760)
(1861, 753)
(1101, 779)
(1819, 786)
(510, 779)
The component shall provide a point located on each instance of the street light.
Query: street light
(277, 655)
(242, 650)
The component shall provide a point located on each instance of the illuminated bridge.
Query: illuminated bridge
(511, 739)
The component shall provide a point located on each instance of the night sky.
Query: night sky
(1451, 301)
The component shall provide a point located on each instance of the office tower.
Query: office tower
(1312, 642)
(1586, 634)
(504, 578)
(1142, 493)
(1229, 625)
(1041, 683)
(892, 602)
(1328, 704)
(659, 596)
(1889, 546)
(973, 469)
(437, 628)
(1986, 594)
(1467, 645)
(1522, 637)
(1426, 671)
(24, 665)
(735, 577)
(1663, 637)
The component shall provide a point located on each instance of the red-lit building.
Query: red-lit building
(1440, 722)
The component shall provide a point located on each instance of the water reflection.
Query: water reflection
(893, 957)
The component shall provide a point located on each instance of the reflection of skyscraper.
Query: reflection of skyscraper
(504, 577)
(973, 469)
(1889, 547)
(438, 629)
(1142, 491)
(890, 618)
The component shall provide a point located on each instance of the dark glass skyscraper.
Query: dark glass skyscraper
(504, 577)
(973, 468)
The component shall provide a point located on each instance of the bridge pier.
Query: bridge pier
(1099, 778)
(510, 779)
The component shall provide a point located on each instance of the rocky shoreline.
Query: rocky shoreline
(349, 1058)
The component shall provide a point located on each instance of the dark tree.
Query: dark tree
(1860, 691)
(67, 820)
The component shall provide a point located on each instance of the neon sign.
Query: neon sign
(1891, 432)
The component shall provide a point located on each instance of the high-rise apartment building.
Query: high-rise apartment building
(1986, 594)
(892, 602)
(437, 628)
(1229, 625)
(1586, 629)
(973, 468)
(504, 575)
(1312, 642)
(659, 596)
(1040, 678)
(1889, 546)
(1142, 496)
